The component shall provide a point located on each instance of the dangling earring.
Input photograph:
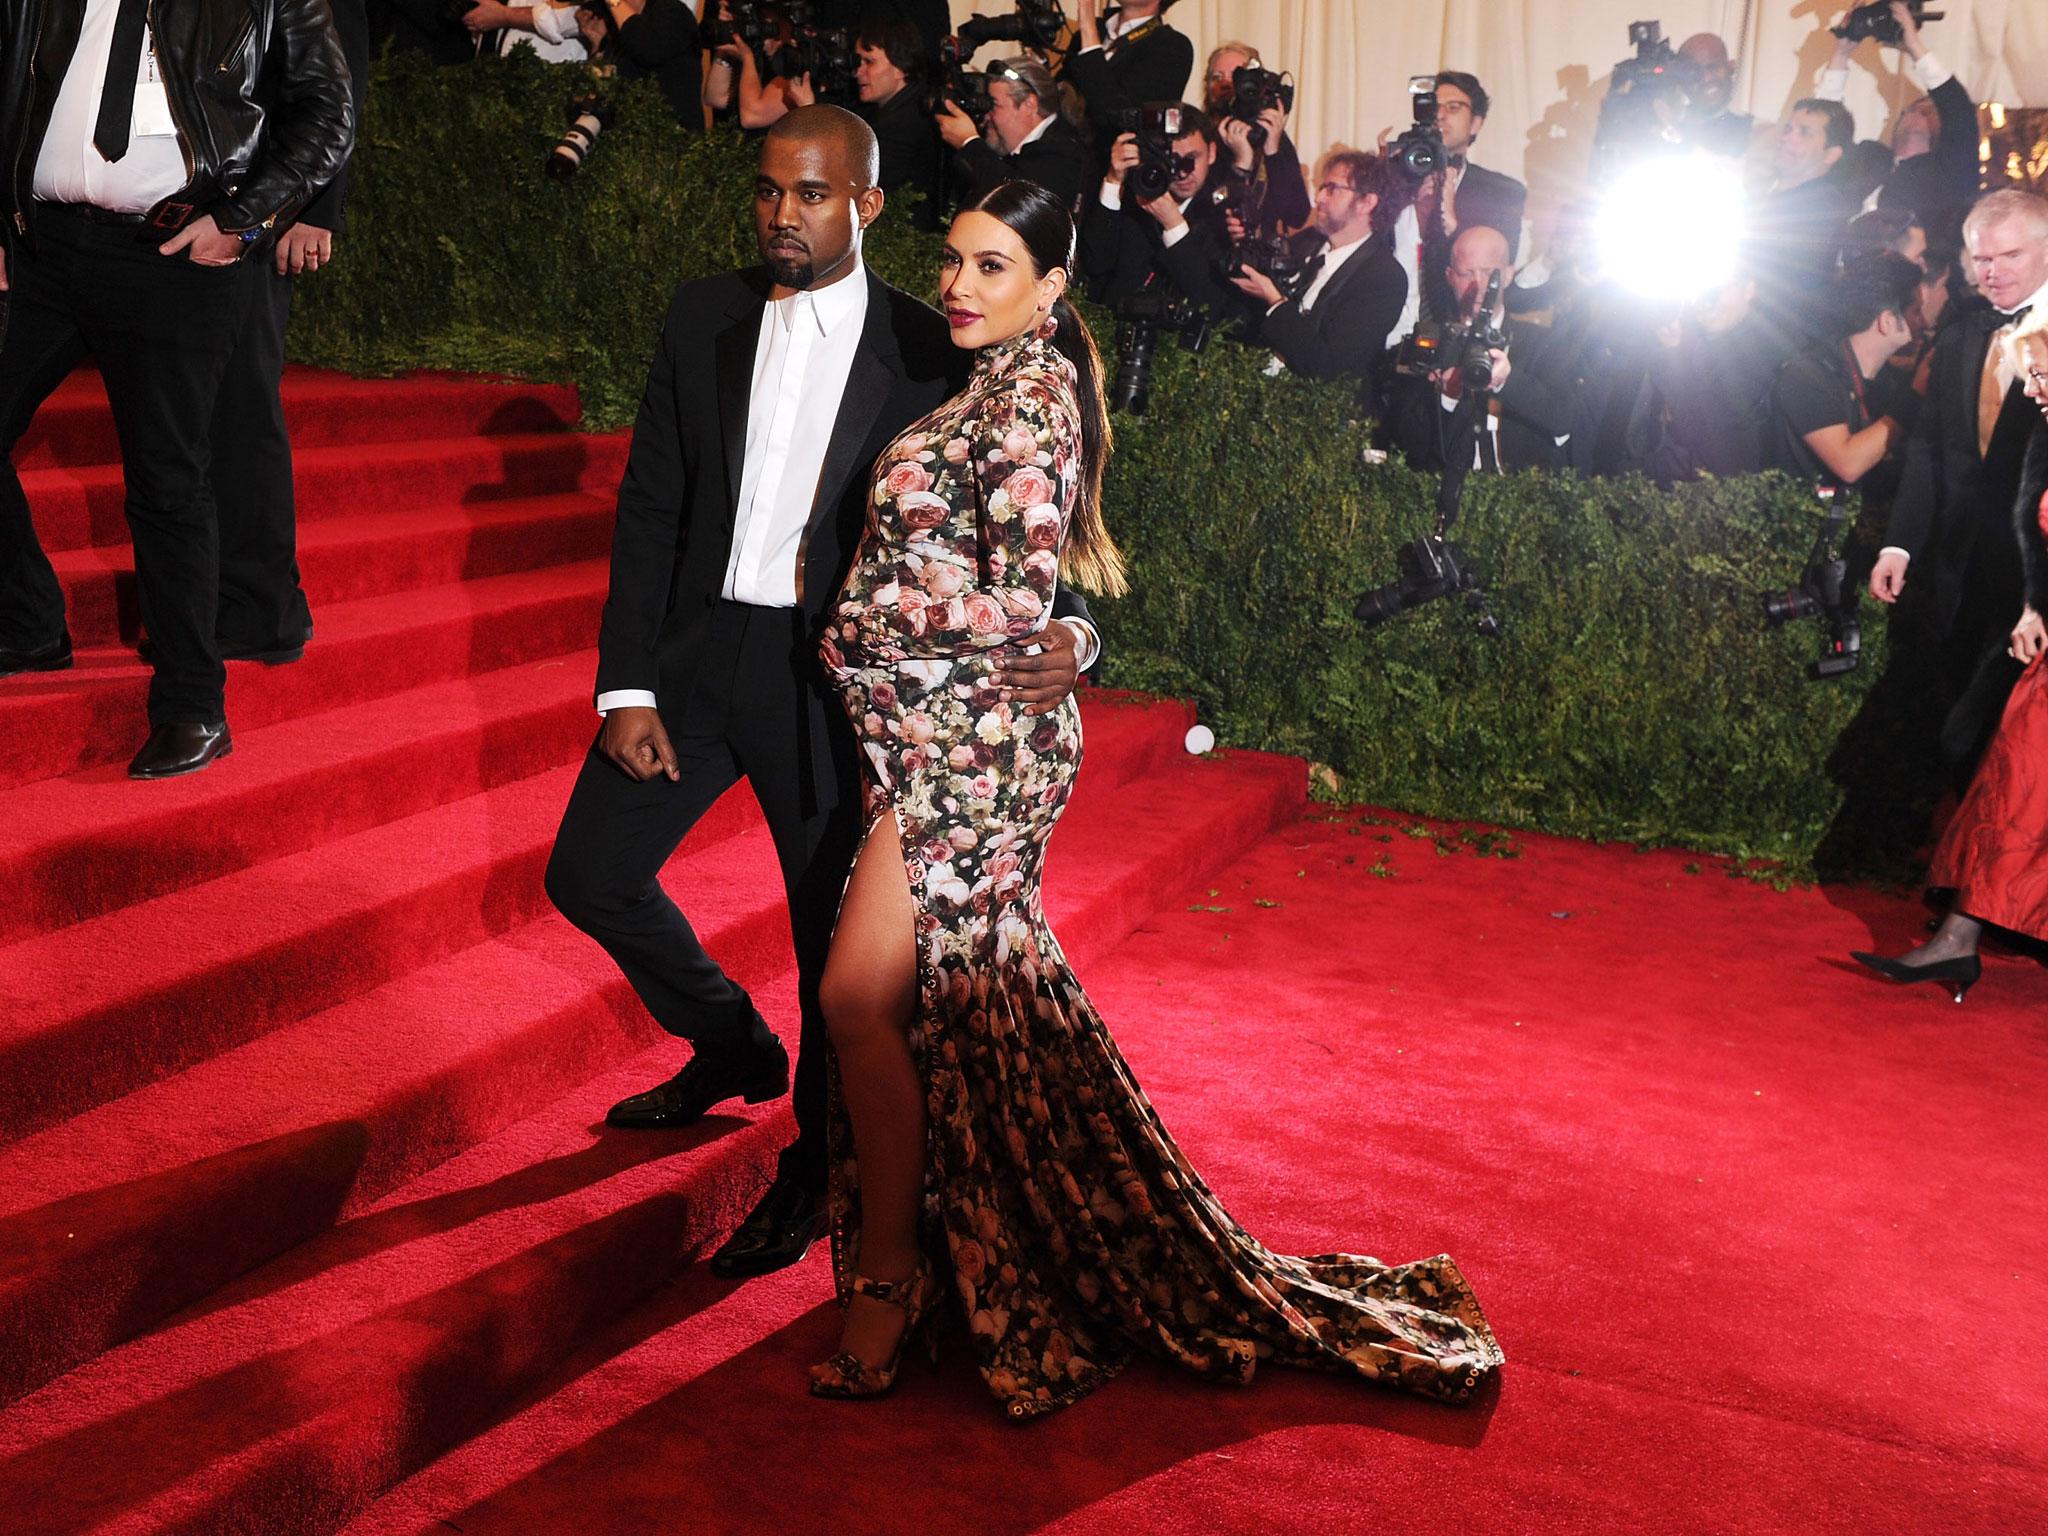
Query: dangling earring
(1049, 327)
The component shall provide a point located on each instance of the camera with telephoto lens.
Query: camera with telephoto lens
(826, 55)
(1035, 24)
(1419, 152)
(751, 22)
(589, 116)
(1431, 567)
(1467, 346)
(1876, 20)
(1647, 101)
(1275, 255)
(1825, 592)
(1254, 89)
(967, 89)
(1139, 321)
(1158, 167)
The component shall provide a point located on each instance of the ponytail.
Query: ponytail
(1090, 557)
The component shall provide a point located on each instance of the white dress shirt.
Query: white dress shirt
(555, 36)
(1112, 198)
(69, 166)
(1334, 257)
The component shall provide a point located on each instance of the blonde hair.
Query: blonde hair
(2030, 335)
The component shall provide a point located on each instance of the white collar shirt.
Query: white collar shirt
(801, 362)
(69, 166)
(1334, 257)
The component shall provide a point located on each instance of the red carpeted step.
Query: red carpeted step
(77, 508)
(344, 559)
(60, 722)
(321, 409)
(111, 1003)
(114, 1230)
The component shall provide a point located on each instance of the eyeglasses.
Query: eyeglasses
(1336, 186)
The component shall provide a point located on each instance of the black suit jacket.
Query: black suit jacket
(352, 25)
(679, 497)
(1123, 250)
(1346, 332)
(1494, 200)
(1539, 404)
(1953, 502)
(1119, 76)
(1057, 160)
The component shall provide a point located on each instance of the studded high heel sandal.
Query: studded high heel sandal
(855, 1378)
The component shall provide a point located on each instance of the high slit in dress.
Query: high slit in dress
(1076, 1232)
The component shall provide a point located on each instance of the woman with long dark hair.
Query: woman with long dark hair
(982, 1116)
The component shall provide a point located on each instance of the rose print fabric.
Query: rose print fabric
(1995, 852)
(1076, 1232)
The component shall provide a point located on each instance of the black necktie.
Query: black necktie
(1310, 271)
(117, 102)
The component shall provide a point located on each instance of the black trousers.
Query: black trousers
(162, 329)
(739, 717)
(262, 605)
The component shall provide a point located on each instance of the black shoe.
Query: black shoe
(1958, 974)
(183, 746)
(778, 1232)
(54, 657)
(685, 1098)
(272, 653)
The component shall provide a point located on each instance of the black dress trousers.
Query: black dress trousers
(162, 329)
(262, 605)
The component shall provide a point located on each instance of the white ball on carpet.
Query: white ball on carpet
(1201, 739)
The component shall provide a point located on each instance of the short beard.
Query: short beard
(790, 273)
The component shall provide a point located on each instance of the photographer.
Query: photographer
(1709, 124)
(1025, 138)
(1181, 237)
(1260, 152)
(1128, 57)
(1705, 395)
(649, 39)
(1934, 144)
(1351, 288)
(1835, 416)
(1800, 221)
(888, 76)
(1534, 401)
(1459, 196)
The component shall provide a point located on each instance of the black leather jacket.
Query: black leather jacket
(258, 89)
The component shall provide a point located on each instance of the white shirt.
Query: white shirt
(70, 168)
(1334, 257)
(1112, 197)
(554, 36)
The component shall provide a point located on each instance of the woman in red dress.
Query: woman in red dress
(1994, 855)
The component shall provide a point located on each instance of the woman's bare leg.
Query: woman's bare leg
(868, 993)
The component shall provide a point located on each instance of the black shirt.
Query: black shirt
(1814, 390)
(662, 42)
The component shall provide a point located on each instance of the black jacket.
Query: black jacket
(1494, 200)
(661, 43)
(1116, 77)
(1951, 510)
(1057, 160)
(679, 497)
(1703, 404)
(352, 26)
(1123, 250)
(1539, 404)
(259, 90)
(1940, 185)
(2026, 517)
(911, 150)
(1346, 332)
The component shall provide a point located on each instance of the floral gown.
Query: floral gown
(1077, 1232)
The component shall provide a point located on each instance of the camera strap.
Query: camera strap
(1144, 28)
(1863, 416)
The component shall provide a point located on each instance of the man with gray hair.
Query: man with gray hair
(1026, 137)
(1949, 539)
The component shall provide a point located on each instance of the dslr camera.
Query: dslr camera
(1256, 89)
(1035, 23)
(1647, 100)
(1824, 592)
(752, 23)
(1419, 152)
(1876, 20)
(1139, 321)
(1466, 346)
(1429, 568)
(589, 116)
(1158, 167)
(966, 88)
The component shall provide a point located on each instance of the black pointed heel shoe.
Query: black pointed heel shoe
(1958, 975)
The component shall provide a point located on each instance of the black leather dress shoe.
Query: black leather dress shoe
(685, 1098)
(181, 746)
(273, 653)
(54, 657)
(778, 1232)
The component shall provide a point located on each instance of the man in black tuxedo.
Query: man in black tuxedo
(1180, 238)
(1025, 138)
(771, 395)
(1127, 58)
(1948, 542)
(1351, 288)
(1460, 196)
(263, 614)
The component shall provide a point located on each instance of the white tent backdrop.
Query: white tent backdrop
(1546, 62)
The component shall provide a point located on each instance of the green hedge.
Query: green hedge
(1637, 694)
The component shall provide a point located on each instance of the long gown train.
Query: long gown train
(1076, 1231)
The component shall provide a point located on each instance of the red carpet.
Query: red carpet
(308, 1222)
